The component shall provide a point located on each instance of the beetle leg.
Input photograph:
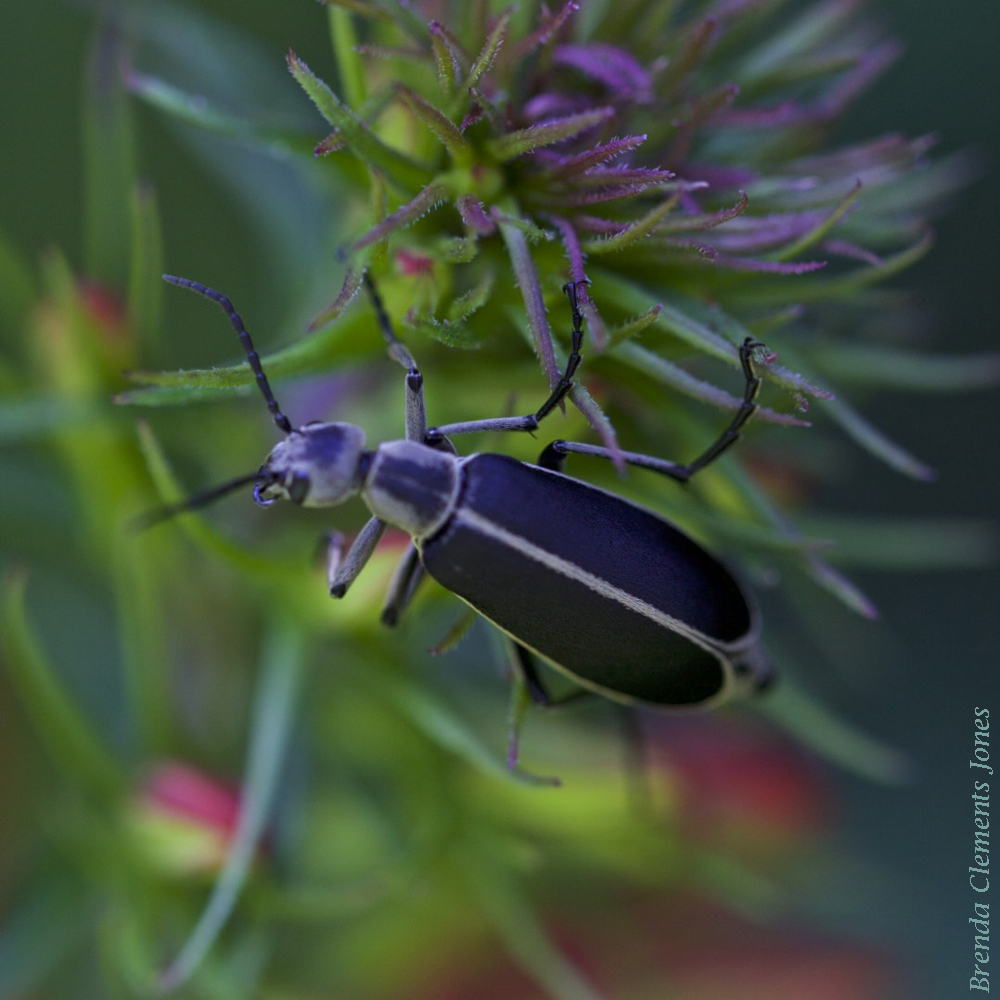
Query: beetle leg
(343, 570)
(558, 394)
(416, 412)
(730, 435)
(405, 580)
(638, 766)
(553, 457)
(524, 664)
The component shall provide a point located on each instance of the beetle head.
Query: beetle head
(318, 465)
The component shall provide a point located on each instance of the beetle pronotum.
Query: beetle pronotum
(601, 589)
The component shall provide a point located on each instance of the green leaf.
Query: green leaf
(830, 287)
(344, 40)
(879, 365)
(425, 201)
(109, 162)
(841, 586)
(832, 738)
(651, 364)
(29, 418)
(909, 544)
(449, 56)
(488, 52)
(145, 289)
(74, 746)
(195, 109)
(626, 331)
(517, 143)
(282, 672)
(364, 8)
(792, 42)
(454, 333)
(436, 719)
(526, 276)
(18, 288)
(522, 931)
(876, 442)
(400, 169)
(196, 527)
(635, 232)
(353, 338)
(820, 230)
(436, 120)
(353, 278)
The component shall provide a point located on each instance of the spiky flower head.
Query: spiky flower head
(673, 155)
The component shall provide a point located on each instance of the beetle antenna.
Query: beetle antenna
(284, 424)
(167, 511)
(397, 349)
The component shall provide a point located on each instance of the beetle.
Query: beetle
(603, 590)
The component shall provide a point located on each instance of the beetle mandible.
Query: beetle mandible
(604, 590)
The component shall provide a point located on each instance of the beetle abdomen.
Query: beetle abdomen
(606, 590)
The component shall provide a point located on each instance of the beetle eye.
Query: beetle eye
(298, 488)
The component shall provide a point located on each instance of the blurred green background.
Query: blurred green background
(935, 648)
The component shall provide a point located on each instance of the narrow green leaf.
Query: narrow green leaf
(825, 288)
(32, 417)
(842, 587)
(454, 333)
(668, 373)
(910, 543)
(682, 223)
(459, 249)
(699, 326)
(526, 276)
(517, 143)
(473, 300)
(351, 339)
(626, 331)
(876, 442)
(635, 232)
(353, 277)
(363, 7)
(600, 421)
(449, 56)
(789, 43)
(350, 65)
(438, 123)
(425, 201)
(400, 169)
(432, 717)
(75, 748)
(831, 737)
(690, 55)
(488, 52)
(879, 365)
(170, 491)
(522, 931)
(144, 631)
(145, 289)
(195, 109)
(109, 161)
(454, 329)
(532, 232)
(820, 230)
(18, 288)
(283, 664)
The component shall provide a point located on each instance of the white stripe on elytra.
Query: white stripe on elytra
(479, 523)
